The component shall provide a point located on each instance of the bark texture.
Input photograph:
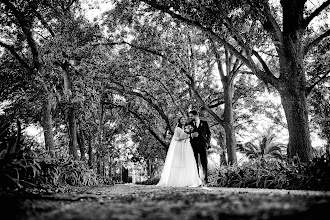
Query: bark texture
(47, 125)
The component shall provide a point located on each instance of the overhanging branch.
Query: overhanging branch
(44, 23)
(311, 87)
(315, 13)
(12, 50)
(316, 41)
(148, 100)
(246, 60)
(142, 120)
(27, 31)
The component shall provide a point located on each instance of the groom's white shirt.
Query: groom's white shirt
(197, 122)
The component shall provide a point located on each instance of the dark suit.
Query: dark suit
(200, 144)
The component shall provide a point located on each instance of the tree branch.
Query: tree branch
(311, 87)
(191, 85)
(218, 60)
(272, 79)
(269, 23)
(168, 92)
(220, 102)
(235, 70)
(136, 115)
(274, 28)
(268, 77)
(201, 101)
(16, 55)
(200, 26)
(152, 132)
(316, 41)
(315, 13)
(44, 23)
(151, 103)
(27, 31)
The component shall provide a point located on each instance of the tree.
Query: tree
(175, 47)
(319, 99)
(283, 27)
(57, 38)
(21, 16)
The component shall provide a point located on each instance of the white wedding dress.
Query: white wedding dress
(180, 167)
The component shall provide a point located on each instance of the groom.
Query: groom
(200, 140)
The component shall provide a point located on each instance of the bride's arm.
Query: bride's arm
(180, 135)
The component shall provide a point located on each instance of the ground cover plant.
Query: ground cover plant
(275, 173)
(271, 173)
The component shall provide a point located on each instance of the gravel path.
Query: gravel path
(151, 202)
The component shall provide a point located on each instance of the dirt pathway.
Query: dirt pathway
(151, 202)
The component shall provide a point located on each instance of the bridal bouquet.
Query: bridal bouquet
(188, 129)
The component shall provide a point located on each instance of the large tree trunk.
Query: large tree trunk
(90, 152)
(228, 89)
(81, 144)
(124, 174)
(99, 165)
(16, 147)
(295, 108)
(71, 116)
(110, 167)
(292, 81)
(73, 143)
(149, 168)
(222, 144)
(100, 137)
(229, 123)
(47, 125)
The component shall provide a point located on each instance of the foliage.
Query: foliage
(152, 88)
(275, 25)
(24, 170)
(77, 173)
(256, 173)
(273, 173)
(28, 170)
(264, 144)
(18, 89)
(19, 166)
(8, 137)
(258, 106)
(319, 99)
(145, 72)
(312, 176)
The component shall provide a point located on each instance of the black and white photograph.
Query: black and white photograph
(164, 109)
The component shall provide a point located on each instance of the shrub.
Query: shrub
(26, 169)
(256, 173)
(274, 173)
(76, 173)
(23, 170)
(312, 176)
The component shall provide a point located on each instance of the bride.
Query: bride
(180, 167)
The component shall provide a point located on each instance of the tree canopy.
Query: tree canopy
(115, 87)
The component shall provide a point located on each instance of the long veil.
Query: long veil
(167, 165)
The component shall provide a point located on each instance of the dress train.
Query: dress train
(180, 167)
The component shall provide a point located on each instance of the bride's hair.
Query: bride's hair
(180, 123)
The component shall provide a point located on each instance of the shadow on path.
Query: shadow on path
(129, 201)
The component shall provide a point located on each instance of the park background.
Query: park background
(92, 90)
